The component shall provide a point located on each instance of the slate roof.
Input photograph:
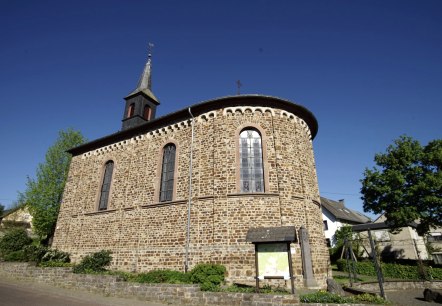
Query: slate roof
(145, 82)
(198, 109)
(377, 226)
(338, 209)
(271, 234)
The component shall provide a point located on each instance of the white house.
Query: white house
(336, 215)
(406, 243)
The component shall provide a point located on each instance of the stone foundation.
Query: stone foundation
(165, 293)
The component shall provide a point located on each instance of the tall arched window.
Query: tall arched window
(131, 110)
(167, 173)
(146, 112)
(251, 165)
(105, 186)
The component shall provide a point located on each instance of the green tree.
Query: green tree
(44, 194)
(406, 185)
(342, 233)
(2, 209)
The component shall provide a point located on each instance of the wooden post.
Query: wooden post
(290, 268)
(347, 255)
(377, 265)
(256, 268)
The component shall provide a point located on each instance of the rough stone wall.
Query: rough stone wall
(114, 286)
(145, 234)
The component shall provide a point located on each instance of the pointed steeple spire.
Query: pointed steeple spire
(145, 81)
(141, 104)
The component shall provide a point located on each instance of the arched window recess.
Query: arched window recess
(251, 161)
(168, 173)
(105, 186)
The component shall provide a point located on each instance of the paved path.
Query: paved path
(409, 297)
(23, 293)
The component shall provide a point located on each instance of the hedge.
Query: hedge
(391, 270)
(14, 241)
(95, 262)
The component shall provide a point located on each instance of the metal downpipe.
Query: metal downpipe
(189, 205)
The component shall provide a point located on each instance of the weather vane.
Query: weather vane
(149, 49)
(238, 84)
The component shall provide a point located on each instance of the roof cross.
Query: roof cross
(238, 84)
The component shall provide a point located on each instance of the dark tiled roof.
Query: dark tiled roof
(9, 211)
(377, 226)
(338, 209)
(198, 109)
(271, 234)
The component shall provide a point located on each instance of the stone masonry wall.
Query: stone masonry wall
(144, 234)
(113, 286)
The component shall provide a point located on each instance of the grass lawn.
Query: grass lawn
(343, 279)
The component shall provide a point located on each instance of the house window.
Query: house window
(167, 173)
(146, 112)
(130, 110)
(251, 165)
(328, 242)
(325, 225)
(435, 237)
(105, 187)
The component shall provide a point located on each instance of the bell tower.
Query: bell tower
(141, 103)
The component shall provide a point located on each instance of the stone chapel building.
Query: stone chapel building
(186, 188)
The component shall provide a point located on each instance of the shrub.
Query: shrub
(15, 256)
(163, 276)
(14, 240)
(209, 276)
(94, 262)
(56, 256)
(39, 253)
(393, 270)
(322, 297)
(123, 275)
(369, 298)
(240, 288)
(327, 297)
(435, 273)
(34, 253)
(252, 289)
(362, 267)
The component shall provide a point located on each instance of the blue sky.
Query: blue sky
(370, 71)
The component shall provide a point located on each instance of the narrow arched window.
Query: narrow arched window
(167, 173)
(146, 112)
(105, 186)
(251, 165)
(131, 110)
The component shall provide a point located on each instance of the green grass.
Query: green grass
(327, 297)
(343, 279)
(252, 289)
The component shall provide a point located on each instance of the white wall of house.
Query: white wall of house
(332, 223)
(406, 243)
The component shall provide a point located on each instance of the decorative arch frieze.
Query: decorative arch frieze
(254, 110)
(295, 119)
(122, 145)
(203, 118)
